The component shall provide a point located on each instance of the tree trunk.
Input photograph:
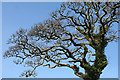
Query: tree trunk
(93, 73)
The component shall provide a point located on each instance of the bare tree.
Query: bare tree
(75, 37)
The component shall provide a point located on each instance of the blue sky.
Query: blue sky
(16, 15)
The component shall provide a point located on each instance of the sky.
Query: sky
(16, 15)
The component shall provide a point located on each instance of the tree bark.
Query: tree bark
(93, 73)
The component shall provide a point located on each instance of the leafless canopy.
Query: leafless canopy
(71, 38)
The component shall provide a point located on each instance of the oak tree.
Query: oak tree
(75, 37)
